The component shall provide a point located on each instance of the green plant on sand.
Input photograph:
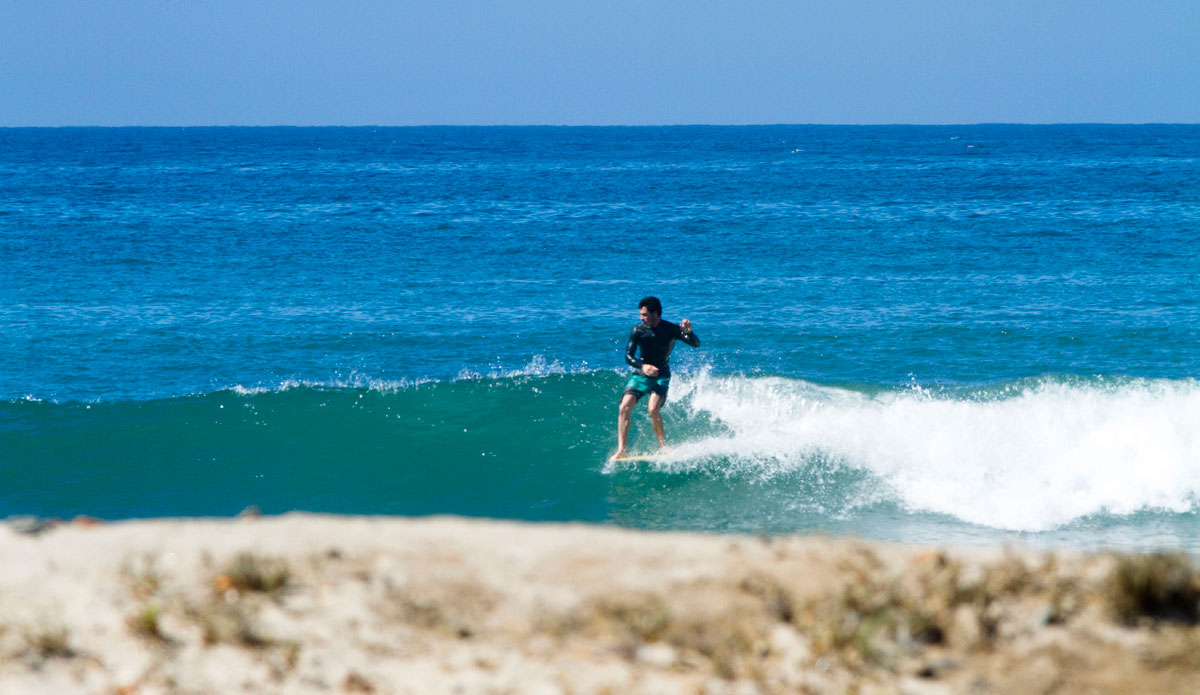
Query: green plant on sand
(145, 623)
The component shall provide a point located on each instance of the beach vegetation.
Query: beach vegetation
(49, 642)
(234, 623)
(455, 608)
(1150, 588)
(728, 639)
(142, 577)
(776, 597)
(145, 623)
(874, 618)
(248, 572)
(728, 636)
(357, 683)
(879, 618)
(227, 623)
(641, 619)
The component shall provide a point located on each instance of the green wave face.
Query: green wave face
(527, 447)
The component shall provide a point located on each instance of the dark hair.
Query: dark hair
(652, 304)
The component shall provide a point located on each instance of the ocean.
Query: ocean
(955, 334)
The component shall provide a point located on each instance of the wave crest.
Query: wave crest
(1028, 456)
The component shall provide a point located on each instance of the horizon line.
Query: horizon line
(613, 125)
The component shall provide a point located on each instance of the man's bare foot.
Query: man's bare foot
(619, 455)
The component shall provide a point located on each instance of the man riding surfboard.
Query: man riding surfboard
(654, 339)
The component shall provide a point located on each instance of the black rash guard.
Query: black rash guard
(656, 344)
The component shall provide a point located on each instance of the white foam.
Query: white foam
(354, 381)
(1032, 458)
(537, 366)
(251, 390)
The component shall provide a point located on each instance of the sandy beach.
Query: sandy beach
(315, 604)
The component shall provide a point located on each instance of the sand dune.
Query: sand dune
(315, 604)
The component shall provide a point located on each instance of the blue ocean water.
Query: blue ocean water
(927, 334)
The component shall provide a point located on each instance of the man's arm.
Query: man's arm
(686, 334)
(631, 357)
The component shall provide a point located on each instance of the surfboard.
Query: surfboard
(637, 458)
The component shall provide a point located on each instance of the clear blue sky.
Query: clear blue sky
(374, 62)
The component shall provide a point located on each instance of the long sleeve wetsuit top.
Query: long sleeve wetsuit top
(656, 345)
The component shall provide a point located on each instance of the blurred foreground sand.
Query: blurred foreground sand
(316, 604)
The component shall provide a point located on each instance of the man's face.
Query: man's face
(649, 318)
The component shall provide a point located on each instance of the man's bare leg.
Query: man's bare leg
(624, 417)
(656, 402)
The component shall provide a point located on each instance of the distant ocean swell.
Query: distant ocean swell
(749, 451)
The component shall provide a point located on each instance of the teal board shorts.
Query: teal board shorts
(640, 385)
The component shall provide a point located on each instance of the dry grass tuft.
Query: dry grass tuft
(878, 618)
(356, 683)
(233, 623)
(728, 636)
(1155, 588)
(49, 642)
(875, 618)
(455, 608)
(228, 623)
(776, 597)
(251, 573)
(640, 618)
(143, 577)
(731, 640)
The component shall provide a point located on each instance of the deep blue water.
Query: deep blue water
(919, 333)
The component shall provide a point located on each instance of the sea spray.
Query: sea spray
(1031, 455)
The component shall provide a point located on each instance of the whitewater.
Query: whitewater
(1030, 456)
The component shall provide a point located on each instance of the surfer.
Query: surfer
(654, 339)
